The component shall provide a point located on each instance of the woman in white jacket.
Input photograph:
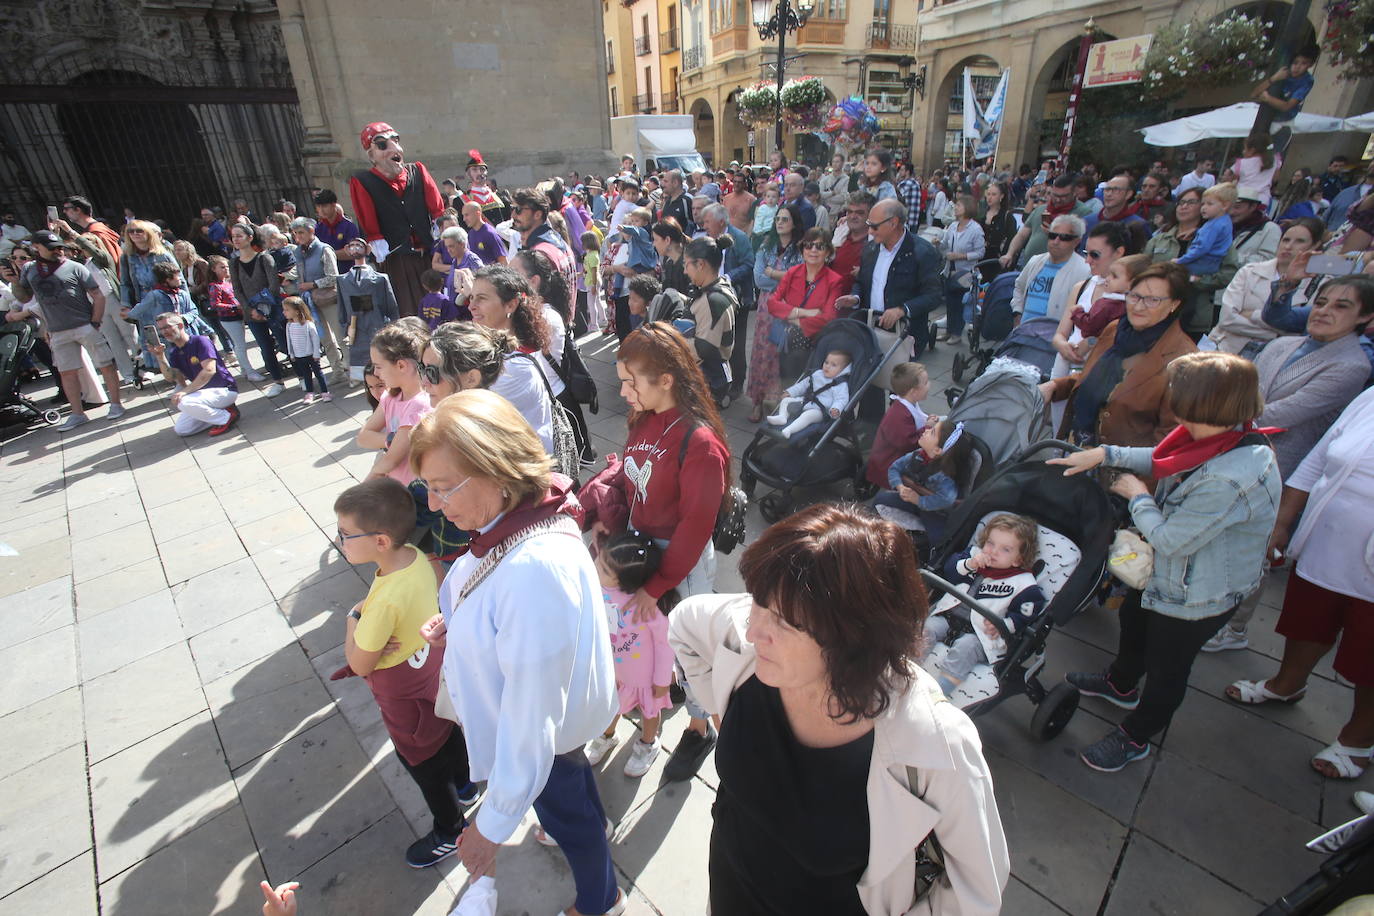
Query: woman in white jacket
(1241, 329)
(826, 709)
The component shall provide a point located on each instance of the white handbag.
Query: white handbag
(1130, 558)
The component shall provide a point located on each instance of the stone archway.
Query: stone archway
(704, 124)
(947, 108)
(734, 136)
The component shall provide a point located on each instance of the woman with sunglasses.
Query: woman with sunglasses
(1121, 396)
(778, 253)
(142, 248)
(805, 300)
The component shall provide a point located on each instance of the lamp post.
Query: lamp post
(777, 20)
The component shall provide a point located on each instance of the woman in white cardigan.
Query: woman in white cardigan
(1241, 328)
(838, 758)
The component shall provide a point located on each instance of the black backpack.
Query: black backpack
(575, 377)
(729, 531)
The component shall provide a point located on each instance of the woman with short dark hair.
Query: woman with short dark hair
(1208, 523)
(825, 709)
(252, 271)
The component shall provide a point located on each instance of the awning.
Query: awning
(1236, 121)
(1360, 123)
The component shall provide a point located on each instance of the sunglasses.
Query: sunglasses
(1094, 255)
(430, 373)
(1061, 236)
(814, 246)
(872, 225)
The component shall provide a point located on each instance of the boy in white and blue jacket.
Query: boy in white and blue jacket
(1212, 240)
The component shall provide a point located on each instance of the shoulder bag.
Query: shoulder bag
(572, 370)
(566, 458)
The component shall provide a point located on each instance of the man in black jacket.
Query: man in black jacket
(899, 274)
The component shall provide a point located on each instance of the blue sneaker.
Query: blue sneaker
(1094, 684)
(469, 794)
(1113, 752)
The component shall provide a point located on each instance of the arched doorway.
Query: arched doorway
(945, 141)
(704, 124)
(734, 136)
(149, 155)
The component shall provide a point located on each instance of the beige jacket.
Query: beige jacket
(919, 736)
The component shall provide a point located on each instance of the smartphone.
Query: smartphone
(1332, 265)
(150, 337)
(52, 215)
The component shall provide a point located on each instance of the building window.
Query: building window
(831, 9)
(615, 105)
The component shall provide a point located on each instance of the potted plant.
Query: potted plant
(757, 105)
(804, 103)
(1349, 37)
(1224, 52)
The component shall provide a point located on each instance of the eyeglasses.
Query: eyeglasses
(1061, 236)
(1095, 255)
(1115, 188)
(1153, 302)
(340, 538)
(813, 246)
(443, 496)
(430, 374)
(872, 225)
(1188, 202)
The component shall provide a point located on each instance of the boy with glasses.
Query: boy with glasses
(382, 645)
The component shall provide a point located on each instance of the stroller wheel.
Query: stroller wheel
(1054, 712)
(960, 367)
(775, 507)
(51, 416)
(933, 335)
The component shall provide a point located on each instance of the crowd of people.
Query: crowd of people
(1203, 351)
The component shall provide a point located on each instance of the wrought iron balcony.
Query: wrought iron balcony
(641, 45)
(670, 104)
(691, 58)
(644, 104)
(886, 36)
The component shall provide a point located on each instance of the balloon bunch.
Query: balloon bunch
(851, 124)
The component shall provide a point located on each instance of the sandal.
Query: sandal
(756, 415)
(1256, 692)
(1342, 760)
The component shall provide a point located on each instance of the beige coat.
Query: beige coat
(919, 736)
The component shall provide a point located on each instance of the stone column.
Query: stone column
(320, 151)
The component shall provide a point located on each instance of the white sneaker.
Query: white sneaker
(642, 757)
(274, 389)
(1364, 801)
(1226, 638)
(115, 412)
(597, 748)
(73, 421)
(255, 376)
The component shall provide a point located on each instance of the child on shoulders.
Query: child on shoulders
(822, 393)
(997, 575)
(899, 433)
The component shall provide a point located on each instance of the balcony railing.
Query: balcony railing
(644, 104)
(667, 41)
(691, 58)
(885, 36)
(670, 104)
(641, 45)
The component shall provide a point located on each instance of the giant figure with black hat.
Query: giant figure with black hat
(394, 203)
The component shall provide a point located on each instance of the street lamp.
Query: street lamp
(777, 20)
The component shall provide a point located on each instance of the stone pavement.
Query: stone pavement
(174, 610)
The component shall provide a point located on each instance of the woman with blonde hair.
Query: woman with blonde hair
(141, 249)
(532, 681)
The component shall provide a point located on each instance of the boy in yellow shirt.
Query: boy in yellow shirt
(375, 518)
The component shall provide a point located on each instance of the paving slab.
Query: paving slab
(49, 799)
(115, 638)
(23, 534)
(200, 551)
(160, 489)
(137, 580)
(39, 730)
(162, 788)
(1188, 889)
(309, 796)
(213, 869)
(35, 566)
(174, 522)
(118, 710)
(239, 642)
(35, 611)
(315, 610)
(111, 551)
(1199, 815)
(67, 890)
(105, 516)
(219, 595)
(284, 527)
(256, 724)
(37, 669)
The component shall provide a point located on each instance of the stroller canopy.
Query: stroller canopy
(855, 338)
(1004, 408)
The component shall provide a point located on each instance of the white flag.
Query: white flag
(990, 121)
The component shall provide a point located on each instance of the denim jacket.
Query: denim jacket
(1209, 529)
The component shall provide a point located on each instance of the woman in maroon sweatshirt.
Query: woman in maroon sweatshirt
(675, 473)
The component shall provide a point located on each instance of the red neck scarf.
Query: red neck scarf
(1180, 452)
(1052, 212)
(558, 498)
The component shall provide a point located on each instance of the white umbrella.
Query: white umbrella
(1360, 123)
(1232, 121)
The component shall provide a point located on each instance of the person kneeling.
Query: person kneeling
(206, 392)
(822, 393)
(998, 576)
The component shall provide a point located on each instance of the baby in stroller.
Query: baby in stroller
(822, 393)
(997, 574)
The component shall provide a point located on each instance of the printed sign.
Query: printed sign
(1115, 63)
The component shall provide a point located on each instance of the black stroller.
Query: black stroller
(16, 342)
(990, 303)
(1076, 522)
(826, 452)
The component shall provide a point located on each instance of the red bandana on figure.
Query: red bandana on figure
(394, 203)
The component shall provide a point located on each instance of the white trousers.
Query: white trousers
(200, 410)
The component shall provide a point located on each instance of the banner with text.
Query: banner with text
(1116, 63)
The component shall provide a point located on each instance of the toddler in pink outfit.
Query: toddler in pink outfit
(643, 658)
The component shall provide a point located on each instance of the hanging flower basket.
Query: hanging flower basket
(1349, 39)
(1205, 55)
(804, 103)
(758, 105)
